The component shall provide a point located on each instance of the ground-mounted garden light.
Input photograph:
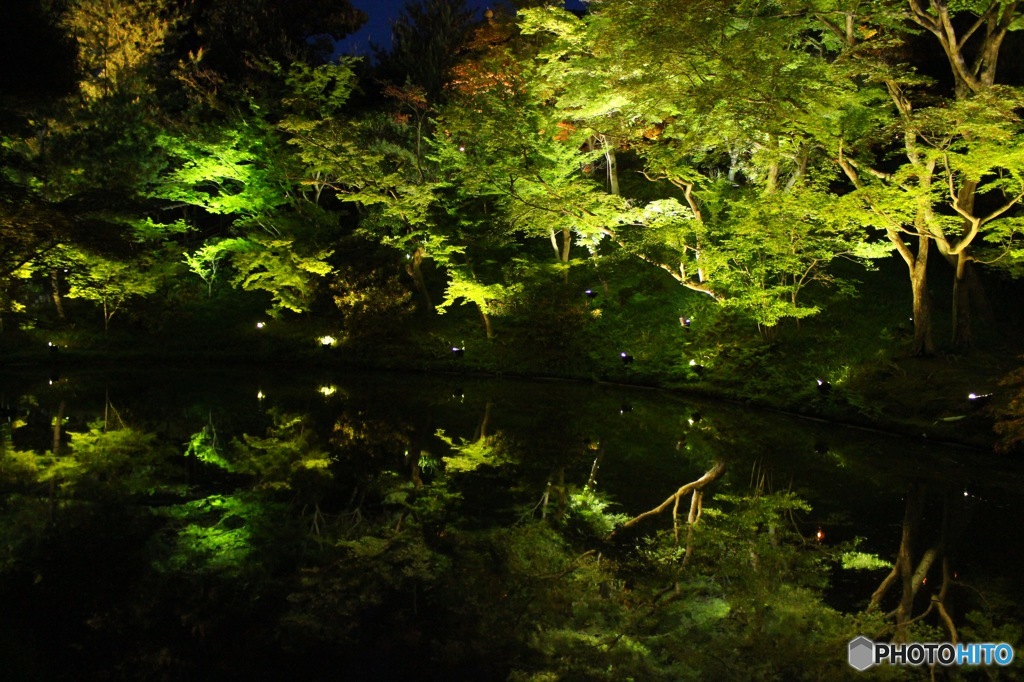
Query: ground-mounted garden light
(327, 341)
(261, 325)
(824, 387)
(590, 293)
(625, 408)
(697, 368)
(979, 399)
(684, 322)
(260, 395)
(327, 391)
(626, 358)
(458, 351)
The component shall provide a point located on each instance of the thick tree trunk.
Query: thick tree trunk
(415, 270)
(923, 343)
(962, 330)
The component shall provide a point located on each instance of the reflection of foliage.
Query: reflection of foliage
(287, 453)
(862, 561)
(116, 462)
(18, 467)
(588, 513)
(203, 446)
(468, 456)
(213, 534)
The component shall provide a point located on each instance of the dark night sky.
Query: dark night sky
(382, 12)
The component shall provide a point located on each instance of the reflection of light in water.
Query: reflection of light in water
(820, 535)
(328, 390)
(327, 340)
(260, 325)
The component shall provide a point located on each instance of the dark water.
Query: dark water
(200, 523)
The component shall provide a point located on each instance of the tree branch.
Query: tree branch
(673, 499)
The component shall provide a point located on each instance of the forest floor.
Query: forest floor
(931, 395)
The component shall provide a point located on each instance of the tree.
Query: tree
(240, 174)
(225, 42)
(206, 261)
(519, 152)
(954, 150)
(112, 283)
(744, 215)
(426, 40)
(118, 43)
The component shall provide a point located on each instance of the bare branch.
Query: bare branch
(673, 499)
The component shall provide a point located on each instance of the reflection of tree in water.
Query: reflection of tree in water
(924, 594)
(372, 546)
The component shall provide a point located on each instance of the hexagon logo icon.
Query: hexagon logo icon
(861, 653)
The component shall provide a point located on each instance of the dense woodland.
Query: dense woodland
(763, 196)
(815, 206)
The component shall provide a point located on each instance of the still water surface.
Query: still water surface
(201, 523)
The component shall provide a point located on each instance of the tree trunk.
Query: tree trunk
(58, 303)
(58, 422)
(485, 421)
(612, 165)
(488, 327)
(903, 568)
(923, 344)
(415, 271)
(962, 331)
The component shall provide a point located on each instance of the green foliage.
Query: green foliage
(588, 514)
(206, 260)
(118, 42)
(862, 561)
(20, 467)
(468, 456)
(203, 446)
(282, 268)
(226, 171)
(111, 463)
(373, 304)
(287, 456)
(220, 536)
(112, 283)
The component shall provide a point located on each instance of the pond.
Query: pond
(187, 523)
